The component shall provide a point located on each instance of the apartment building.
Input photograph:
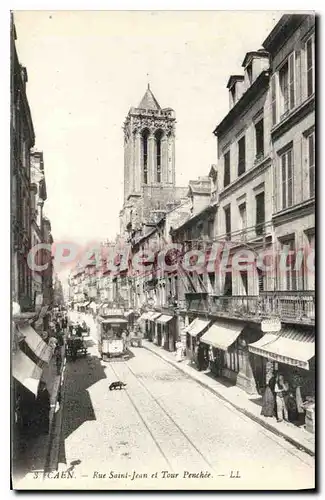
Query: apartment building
(260, 319)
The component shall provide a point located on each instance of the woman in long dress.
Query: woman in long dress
(268, 402)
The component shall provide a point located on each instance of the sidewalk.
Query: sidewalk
(36, 452)
(240, 400)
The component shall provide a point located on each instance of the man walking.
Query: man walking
(281, 389)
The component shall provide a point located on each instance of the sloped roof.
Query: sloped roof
(149, 101)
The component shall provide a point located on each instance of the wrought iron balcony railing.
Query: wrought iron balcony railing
(292, 307)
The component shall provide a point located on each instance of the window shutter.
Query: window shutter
(291, 63)
(273, 100)
(298, 77)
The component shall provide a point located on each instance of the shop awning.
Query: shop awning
(197, 326)
(153, 315)
(36, 343)
(114, 320)
(222, 334)
(26, 372)
(290, 346)
(144, 317)
(164, 318)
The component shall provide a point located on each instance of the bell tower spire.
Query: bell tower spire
(149, 154)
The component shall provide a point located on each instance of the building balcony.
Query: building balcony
(290, 307)
(248, 306)
(252, 234)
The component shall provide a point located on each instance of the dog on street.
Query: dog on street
(117, 385)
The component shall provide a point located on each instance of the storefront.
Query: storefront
(143, 321)
(154, 330)
(193, 332)
(229, 355)
(290, 352)
(166, 325)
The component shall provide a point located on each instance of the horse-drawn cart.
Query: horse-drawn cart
(75, 347)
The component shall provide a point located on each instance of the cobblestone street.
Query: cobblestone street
(165, 421)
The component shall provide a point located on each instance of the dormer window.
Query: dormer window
(233, 95)
(235, 89)
(249, 70)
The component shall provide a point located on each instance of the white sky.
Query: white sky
(86, 69)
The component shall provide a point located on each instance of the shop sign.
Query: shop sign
(271, 325)
(113, 312)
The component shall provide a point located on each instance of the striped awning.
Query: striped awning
(26, 371)
(197, 326)
(36, 343)
(291, 346)
(222, 334)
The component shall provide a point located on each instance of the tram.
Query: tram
(112, 335)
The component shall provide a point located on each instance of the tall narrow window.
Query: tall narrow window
(228, 284)
(311, 163)
(243, 219)
(158, 156)
(210, 228)
(259, 137)
(226, 179)
(287, 179)
(241, 156)
(273, 99)
(287, 85)
(260, 212)
(244, 281)
(310, 66)
(290, 282)
(145, 156)
(212, 279)
(228, 221)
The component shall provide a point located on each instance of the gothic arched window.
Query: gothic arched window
(158, 137)
(145, 135)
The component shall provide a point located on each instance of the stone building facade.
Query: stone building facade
(22, 138)
(38, 197)
(263, 187)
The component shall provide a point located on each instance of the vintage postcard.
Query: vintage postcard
(163, 247)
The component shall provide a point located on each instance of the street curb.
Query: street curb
(56, 425)
(247, 413)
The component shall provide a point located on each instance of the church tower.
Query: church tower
(149, 160)
(149, 146)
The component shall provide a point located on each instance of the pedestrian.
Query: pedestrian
(179, 351)
(268, 402)
(58, 359)
(44, 406)
(281, 389)
(211, 358)
(200, 357)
